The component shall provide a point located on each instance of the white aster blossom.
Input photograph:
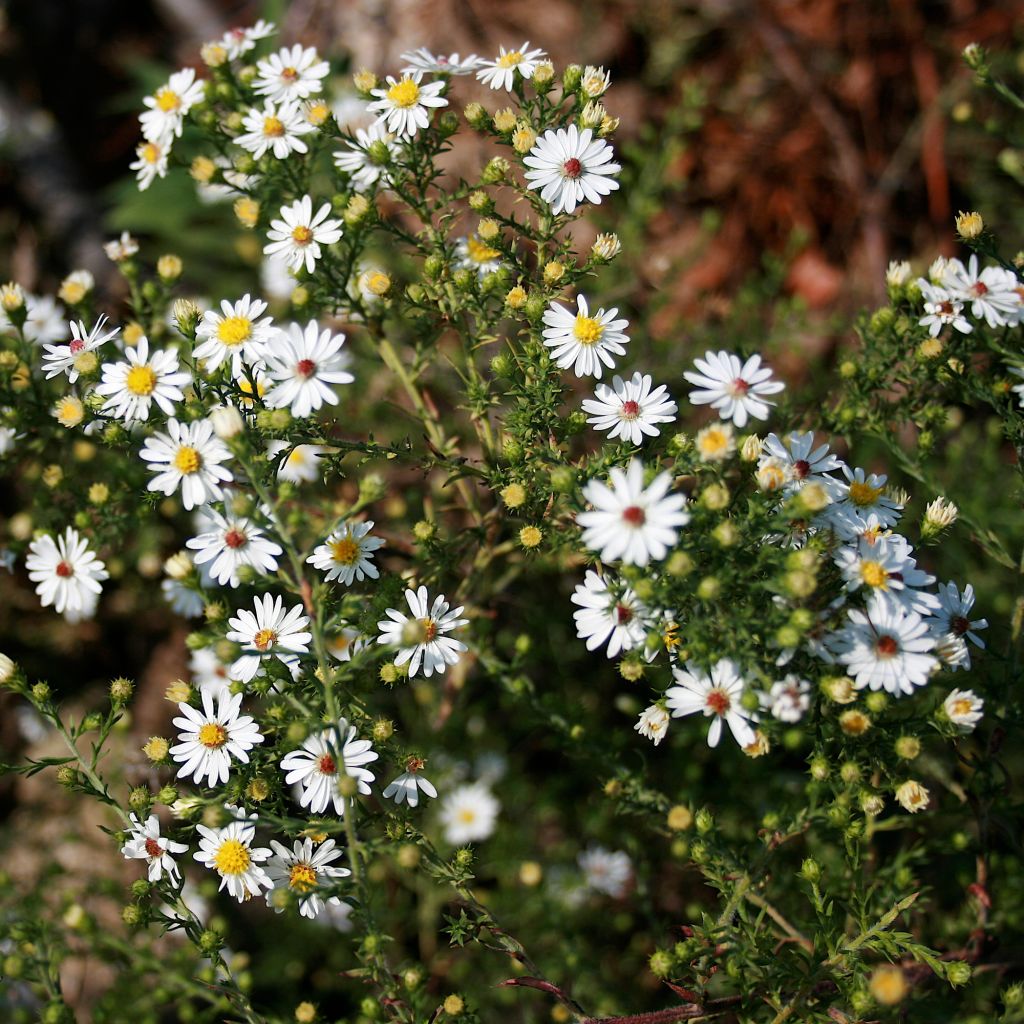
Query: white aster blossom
(606, 871)
(404, 106)
(58, 359)
(187, 456)
(964, 709)
(230, 853)
(366, 159)
(952, 618)
(347, 554)
(941, 309)
(630, 409)
(612, 615)
(801, 462)
(993, 293)
(214, 736)
(422, 638)
(788, 699)
(717, 695)
(276, 129)
(408, 786)
(67, 574)
(303, 363)
(301, 465)
(500, 72)
(150, 163)
(323, 760)
(268, 631)
(291, 74)
(240, 40)
(167, 107)
(469, 814)
(297, 237)
(653, 723)
(571, 166)
(146, 843)
(233, 542)
(236, 333)
(423, 60)
(304, 872)
(471, 253)
(131, 387)
(584, 342)
(736, 390)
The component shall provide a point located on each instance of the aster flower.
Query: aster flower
(44, 320)
(233, 542)
(802, 462)
(788, 699)
(297, 237)
(268, 631)
(303, 362)
(366, 158)
(183, 600)
(718, 696)
(912, 796)
(570, 166)
(993, 293)
(187, 456)
(230, 853)
(964, 709)
(214, 736)
(941, 309)
(864, 494)
(208, 671)
(58, 359)
(500, 72)
(291, 74)
(736, 390)
(168, 106)
(408, 785)
(276, 129)
(302, 871)
(404, 106)
(347, 554)
(322, 761)
(612, 615)
(146, 843)
(240, 40)
(953, 618)
(423, 60)
(885, 564)
(67, 573)
(301, 464)
(119, 249)
(236, 333)
(473, 254)
(606, 871)
(150, 163)
(422, 638)
(469, 814)
(133, 386)
(716, 442)
(346, 643)
(653, 723)
(629, 521)
(630, 409)
(582, 341)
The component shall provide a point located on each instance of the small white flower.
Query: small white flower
(423, 60)
(630, 409)
(291, 74)
(941, 309)
(469, 814)
(716, 442)
(897, 273)
(269, 631)
(44, 320)
(608, 614)
(347, 554)
(631, 522)
(240, 40)
(150, 163)
(68, 575)
(322, 761)
(718, 695)
(421, 638)
(736, 390)
(801, 462)
(276, 128)
(788, 699)
(885, 564)
(864, 494)
(473, 254)
(404, 106)
(993, 293)
(233, 542)
(346, 643)
(912, 796)
(123, 248)
(953, 618)
(146, 843)
(58, 359)
(964, 709)
(571, 167)
(236, 333)
(303, 872)
(653, 723)
(582, 341)
(607, 871)
(168, 106)
(303, 363)
(408, 785)
(366, 159)
(301, 464)
(500, 72)
(187, 456)
(184, 601)
(229, 852)
(212, 737)
(297, 237)
(132, 387)
(208, 671)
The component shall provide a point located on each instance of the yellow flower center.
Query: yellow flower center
(302, 877)
(587, 329)
(168, 100)
(212, 735)
(141, 380)
(378, 282)
(263, 639)
(232, 858)
(962, 707)
(246, 388)
(510, 60)
(345, 551)
(404, 93)
(234, 330)
(478, 252)
(467, 815)
(714, 441)
(418, 631)
(863, 494)
(297, 458)
(150, 152)
(302, 235)
(187, 459)
(273, 127)
(873, 574)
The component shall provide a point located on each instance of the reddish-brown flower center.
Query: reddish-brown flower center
(153, 848)
(630, 409)
(718, 701)
(289, 74)
(623, 614)
(572, 168)
(76, 346)
(305, 367)
(979, 288)
(959, 625)
(235, 538)
(945, 308)
(740, 387)
(887, 646)
(801, 469)
(64, 569)
(326, 765)
(634, 515)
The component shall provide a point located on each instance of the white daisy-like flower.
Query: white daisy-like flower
(240, 40)
(718, 696)
(212, 737)
(58, 359)
(629, 521)
(500, 72)
(230, 853)
(184, 601)
(408, 786)
(716, 442)
(322, 761)
(132, 387)
(612, 615)
(469, 814)
(366, 158)
(885, 647)
(119, 249)
(994, 293)
(885, 564)
(168, 106)
(404, 106)
(236, 333)
(630, 409)
(269, 631)
(570, 166)
(735, 390)
(801, 461)
(347, 554)
(303, 362)
(303, 871)
(422, 639)
(301, 465)
(473, 254)
(150, 163)
(941, 309)
(607, 871)
(346, 643)
(653, 723)
(234, 541)
(276, 128)
(67, 573)
(788, 699)
(953, 618)
(964, 709)
(297, 237)
(44, 320)
(146, 843)
(208, 671)
(423, 60)
(188, 456)
(582, 341)
(864, 494)
(291, 75)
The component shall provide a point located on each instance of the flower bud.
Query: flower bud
(496, 170)
(179, 566)
(364, 81)
(227, 422)
(810, 870)
(186, 317)
(888, 985)
(912, 796)
(969, 225)
(7, 670)
(453, 1004)
(121, 690)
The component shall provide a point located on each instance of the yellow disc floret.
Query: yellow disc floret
(873, 574)
(264, 639)
(273, 127)
(302, 877)
(404, 93)
(187, 459)
(234, 330)
(302, 235)
(478, 252)
(345, 551)
(510, 60)
(168, 100)
(232, 858)
(587, 329)
(141, 380)
(212, 735)
(863, 494)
